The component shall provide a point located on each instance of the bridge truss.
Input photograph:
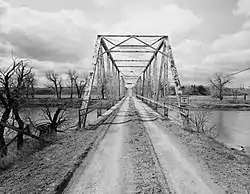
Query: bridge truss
(145, 61)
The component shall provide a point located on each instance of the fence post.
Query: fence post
(184, 108)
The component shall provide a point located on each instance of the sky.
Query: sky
(207, 36)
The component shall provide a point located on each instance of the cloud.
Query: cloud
(102, 3)
(237, 41)
(50, 40)
(163, 20)
(228, 61)
(231, 52)
(65, 39)
(63, 36)
(243, 7)
(187, 46)
(246, 25)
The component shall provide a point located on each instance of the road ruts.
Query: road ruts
(124, 161)
(103, 172)
(183, 174)
(138, 156)
(142, 172)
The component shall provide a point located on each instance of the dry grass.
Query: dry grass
(230, 169)
(43, 171)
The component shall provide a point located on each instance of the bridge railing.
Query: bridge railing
(153, 86)
(167, 108)
(105, 85)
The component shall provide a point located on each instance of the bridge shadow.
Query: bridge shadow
(127, 115)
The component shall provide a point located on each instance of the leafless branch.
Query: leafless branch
(55, 83)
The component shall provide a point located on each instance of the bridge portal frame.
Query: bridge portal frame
(111, 80)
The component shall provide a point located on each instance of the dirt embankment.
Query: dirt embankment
(52, 102)
(228, 168)
(49, 170)
(43, 171)
(216, 104)
(211, 106)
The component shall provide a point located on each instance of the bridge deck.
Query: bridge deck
(138, 156)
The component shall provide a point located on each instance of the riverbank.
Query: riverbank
(221, 106)
(229, 168)
(49, 169)
(206, 102)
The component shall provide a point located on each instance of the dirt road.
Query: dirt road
(138, 156)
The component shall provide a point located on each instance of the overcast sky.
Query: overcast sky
(207, 36)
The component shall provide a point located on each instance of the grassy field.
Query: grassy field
(228, 102)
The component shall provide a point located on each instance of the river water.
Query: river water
(233, 127)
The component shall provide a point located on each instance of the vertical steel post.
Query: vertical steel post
(86, 96)
(174, 73)
(155, 77)
(165, 79)
(113, 84)
(146, 81)
(154, 80)
(140, 86)
(185, 118)
(119, 86)
(100, 84)
(150, 81)
(109, 77)
(143, 84)
(160, 82)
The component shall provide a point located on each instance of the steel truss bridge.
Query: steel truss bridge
(144, 61)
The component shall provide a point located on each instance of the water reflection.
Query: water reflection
(233, 126)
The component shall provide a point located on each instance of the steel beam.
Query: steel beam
(165, 79)
(130, 51)
(132, 45)
(156, 41)
(99, 81)
(143, 84)
(108, 41)
(86, 96)
(154, 80)
(131, 60)
(119, 85)
(174, 71)
(122, 35)
(156, 49)
(106, 49)
(109, 78)
(160, 84)
(155, 53)
(137, 66)
(131, 77)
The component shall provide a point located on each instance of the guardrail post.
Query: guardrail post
(184, 108)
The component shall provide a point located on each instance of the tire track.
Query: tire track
(183, 172)
(143, 171)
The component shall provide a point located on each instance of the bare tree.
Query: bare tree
(55, 83)
(201, 121)
(71, 76)
(12, 81)
(219, 83)
(80, 85)
(54, 120)
(30, 83)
